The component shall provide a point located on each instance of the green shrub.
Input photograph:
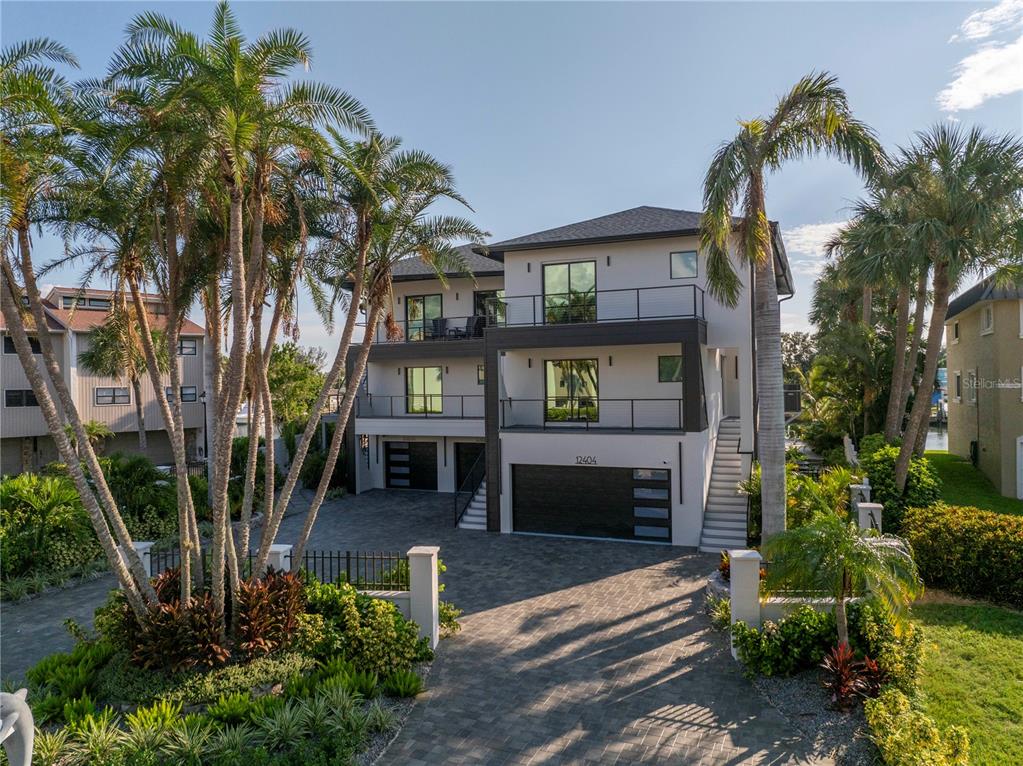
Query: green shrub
(379, 719)
(873, 633)
(403, 683)
(314, 465)
(907, 737)
(968, 551)
(77, 709)
(232, 709)
(871, 443)
(834, 457)
(720, 611)
(923, 487)
(799, 641)
(449, 614)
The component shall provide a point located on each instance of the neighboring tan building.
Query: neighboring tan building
(984, 338)
(25, 443)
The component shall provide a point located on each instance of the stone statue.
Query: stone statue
(17, 730)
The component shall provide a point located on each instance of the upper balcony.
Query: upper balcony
(431, 329)
(596, 306)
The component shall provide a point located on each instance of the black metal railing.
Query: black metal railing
(619, 305)
(793, 397)
(420, 406)
(430, 329)
(192, 468)
(333, 402)
(467, 489)
(593, 413)
(365, 570)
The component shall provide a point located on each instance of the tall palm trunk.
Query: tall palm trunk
(868, 305)
(211, 376)
(919, 415)
(344, 412)
(140, 411)
(127, 579)
(53, 370)
(914, 344)
(255, 411)
(770, 397)
(893, 416)
(271, 522)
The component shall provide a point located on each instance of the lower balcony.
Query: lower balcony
(593, 414)
(428, 406)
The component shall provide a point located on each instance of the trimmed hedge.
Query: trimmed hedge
(968, 551)
(923, 487)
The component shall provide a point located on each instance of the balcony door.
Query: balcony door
(488, 303)
(571, 390)
(420, 313)
(424, 390)
(570, 292)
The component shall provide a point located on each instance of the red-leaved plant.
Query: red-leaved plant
(843, 676)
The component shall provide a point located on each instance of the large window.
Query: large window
(570, 292)
(684, 264)
(187, 346)
(10, 349)
(424, 389)
(112, 395)
(422, 317)
(572, 390)
(20, 397)
(669, 369)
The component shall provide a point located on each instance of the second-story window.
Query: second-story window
(684, 264)
(188, 394)
(987, 319)
(10, 349)
(572, 390)
(187, 346)
(424, 390)
(20, 397)
(480, 374)
(489, 304)
(669, 369)
(423, 317)
(570, 292)
(955, 332)
(112, 395)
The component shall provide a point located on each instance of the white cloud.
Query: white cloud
(795, 323)
(805, 246)
(993, 69)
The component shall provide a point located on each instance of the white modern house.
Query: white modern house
(583, 384)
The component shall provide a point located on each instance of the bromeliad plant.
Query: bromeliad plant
(832, 556)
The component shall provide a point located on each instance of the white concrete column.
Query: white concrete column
(858, 493)
(867, 512)
(144, 549)
(280, 557)
(424, 598)
(744, 587)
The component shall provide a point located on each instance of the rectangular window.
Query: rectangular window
(424, 390)
(480, 374)
(973, 386)
(684, 264)
(958, 388)
(987, 319)
(489, 304)
(20, 397)
(669, 369)
(649, 474)
(112, 395)
(67, 302)
(572, 390)
(955, 332)
(99, 303)
(10, 349)
(570, 292)
(187, 346)
(423, 317)
(189, 394)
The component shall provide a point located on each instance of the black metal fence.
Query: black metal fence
(366, 570)
(194, 468)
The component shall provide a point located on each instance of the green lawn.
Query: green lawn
(973, 676)
(962, 484)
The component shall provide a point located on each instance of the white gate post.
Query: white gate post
(424, 605)
(867, 513)
(279, 557)
(144, 550)
(744, 587)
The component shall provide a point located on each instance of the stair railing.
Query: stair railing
(467, 490)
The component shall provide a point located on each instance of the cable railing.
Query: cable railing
(431, 329)
(619, 305)
(591, 413)
(420, 406)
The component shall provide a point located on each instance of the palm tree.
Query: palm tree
(964, 200)
(814, 117)
(834, 556)
(115, 352)
(96, 433)
(391, 193)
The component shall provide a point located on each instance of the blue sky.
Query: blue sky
(552, 113)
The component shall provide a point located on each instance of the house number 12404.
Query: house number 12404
(586, 459)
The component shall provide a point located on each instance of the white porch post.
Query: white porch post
(424, 598)
(744, 587)
(279, 557)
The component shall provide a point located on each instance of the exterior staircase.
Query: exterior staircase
(475, 516)
(724, 518)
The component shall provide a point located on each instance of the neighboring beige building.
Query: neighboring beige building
(984, 338)
(25, 443)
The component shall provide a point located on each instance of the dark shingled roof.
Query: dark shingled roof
(985, 290)
(642, 221)
(480, 266)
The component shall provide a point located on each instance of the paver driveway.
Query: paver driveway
(571, 651)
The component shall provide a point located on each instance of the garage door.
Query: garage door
(411, 465)
(626, 503)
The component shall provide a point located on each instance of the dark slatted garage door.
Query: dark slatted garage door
(627, 503)
(411, 465)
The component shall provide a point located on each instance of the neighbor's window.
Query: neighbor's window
(987, 319)
(572, 390)
(480, 374)
(67, 302)
(99, 303)
(424, 389)
(112, 395)
(20, 397)
(684, 264)
(187, 346)
(973, 386)
(669, 369)
(10, 349)
(955, 332)
(188, 394)
(957, 390)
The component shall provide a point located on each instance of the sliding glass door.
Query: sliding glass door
(424, 390)
(420, 313)
(572, 390)
(570, 292)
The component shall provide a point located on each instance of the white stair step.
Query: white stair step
(726, 505)
(474, 525)
(714, 524)
(724, 541)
